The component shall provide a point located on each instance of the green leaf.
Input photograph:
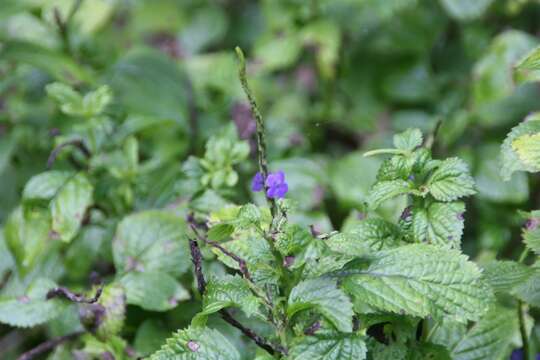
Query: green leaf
(426, 351)
(394, 351)
(53, 62)
(528, 149)
(369, 235)
(351, 178)
(196, 343)
(33, 308)
(27, 236)
(529, 290)
(465, 9)
(220, 232)
(113, 302)
(44, 186)
(322, 295)
(386, 190)
(148, 83)
(154, 291)
(419, 280)
(72, 103)
(408, 140)
(257, 254)
(511, 159)
(396, 167)
(489, 182)
(439, 223)
(451, 180)
(151, 240)
(504, 276)
(69, 206)
(229, 291)
(528, 68)
(329, 347)
(149, 337)
(490, 337)
(531, 237)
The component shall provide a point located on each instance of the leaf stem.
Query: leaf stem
(383, 151)
(523, 329)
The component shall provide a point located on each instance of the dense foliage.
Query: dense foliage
(363, 185)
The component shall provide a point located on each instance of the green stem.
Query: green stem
(383, 151)
(523, 255)
(521, 314)
(261, 139)
(523, 329)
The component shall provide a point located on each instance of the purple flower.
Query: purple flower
(517, 354)
(277, 187)
(257, 183)
(275, 183)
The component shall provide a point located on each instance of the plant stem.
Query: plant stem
(49, 345)
(261, 139)
(523, 255)
(196, 258)
(78, 298)
(77, 143)
(523, 329)
(383, 151)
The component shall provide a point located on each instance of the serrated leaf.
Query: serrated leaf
(528, 149)
(72, 103)
(322, 295)
(257, 254)
(394, 351)
(369, 235)
(504, 276)
(151, 240)
(154, 291)
(394, 168)
(451, 180)
(229, 291)
(529, 290)
(490, 337)
(531, 238)
(197, 344)
(69, 206)
(511, 160)
(425, 351)
(408, 140)
(386, 190)
(419, 280)
(33, 308)
(329, 347)
(439, 224)
(528, 68)
(27, 234)
(44, 186)
(292, 239)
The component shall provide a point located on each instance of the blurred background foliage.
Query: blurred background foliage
(334, 78)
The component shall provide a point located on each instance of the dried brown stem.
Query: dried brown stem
(78, 298)
(77, 143)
